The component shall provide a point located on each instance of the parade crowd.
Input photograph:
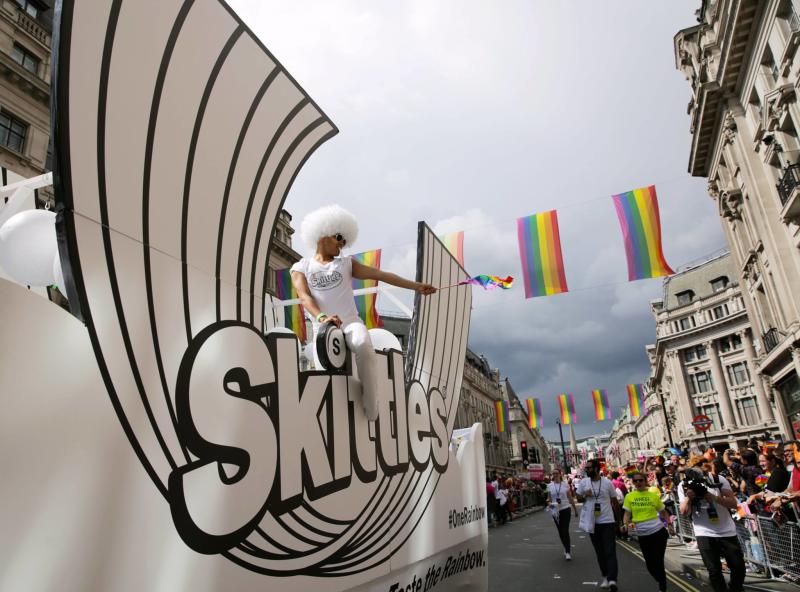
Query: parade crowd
(649, 500)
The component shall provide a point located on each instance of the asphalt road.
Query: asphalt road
(526, 555)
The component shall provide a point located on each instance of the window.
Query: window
(686, 323)
(701, 382)
(719, 284)
(738, 374)
(689, 355)
(731, 342)
(29, 7)
(712, 411)
(12, 131)
(695, 353)
(25, 58)
(748, 411)
(684, 297)
(719, 312)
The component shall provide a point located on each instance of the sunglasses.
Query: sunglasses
(340, 238)
(638, 480)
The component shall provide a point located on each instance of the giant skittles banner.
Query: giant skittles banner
(159, 437)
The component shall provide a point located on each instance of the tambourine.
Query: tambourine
(331, 347)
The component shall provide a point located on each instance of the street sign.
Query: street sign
(536, 471)
(702, 423)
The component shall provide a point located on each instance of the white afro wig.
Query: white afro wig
(327, 221)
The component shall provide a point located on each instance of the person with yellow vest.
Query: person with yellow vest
(645, 516)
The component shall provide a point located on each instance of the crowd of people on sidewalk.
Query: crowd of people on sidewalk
(644, 500)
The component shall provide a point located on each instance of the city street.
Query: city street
(527, 551)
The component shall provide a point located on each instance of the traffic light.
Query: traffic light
(523, 446)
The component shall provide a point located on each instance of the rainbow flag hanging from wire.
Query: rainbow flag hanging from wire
(534, 413)
(636, 399)
(637, 211)
(540, 255)
(294, 315)
(365, 303)
(454, 242)
(501, 413)
(602, 410)
(566, 406)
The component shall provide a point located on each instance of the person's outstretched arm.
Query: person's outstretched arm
(365, 272)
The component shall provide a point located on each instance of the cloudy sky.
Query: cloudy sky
(469, 114)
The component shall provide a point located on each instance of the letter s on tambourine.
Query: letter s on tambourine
(331, 347)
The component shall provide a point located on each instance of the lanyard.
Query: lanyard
(599, 487)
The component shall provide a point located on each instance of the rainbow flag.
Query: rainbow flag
(365, 303)
(454, 242)
(637, 211)
(489, 282)
(501, 413)
(534, 413)
(294, 315)
(602, 409)
(636, 399)
(566, 406)
(540, 254)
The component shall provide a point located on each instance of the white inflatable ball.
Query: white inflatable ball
(383, 339)
(28, 246)
(58, 274)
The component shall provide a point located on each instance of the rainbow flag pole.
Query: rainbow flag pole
(540, 254)
(534, 413)
(501, 413)
(636, 399)
(640, 222)
(366, 303)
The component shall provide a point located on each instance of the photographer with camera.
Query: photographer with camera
(708, 500)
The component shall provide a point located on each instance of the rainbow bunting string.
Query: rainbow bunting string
(365, 303)
(534, 413)
(294, 315)
(501, 413)
(566, 406)
(639, 219)
(636, 399)
(489, 282)
(454, 242)
(540, 254)
(602, 409)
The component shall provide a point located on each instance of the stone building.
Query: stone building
(704, 362)
(521, 432)
(623, 445)
(742, 64)
(25, 46)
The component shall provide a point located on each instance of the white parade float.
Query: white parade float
(161, 437)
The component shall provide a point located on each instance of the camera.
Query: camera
(696, 481)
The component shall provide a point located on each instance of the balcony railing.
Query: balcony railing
(771, 339)
(789, 182)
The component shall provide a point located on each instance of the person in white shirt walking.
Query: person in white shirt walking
(559, 501)
(325, 288)
(598, 518)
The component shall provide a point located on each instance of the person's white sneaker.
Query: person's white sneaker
(604, 583)
(612, 585)
(568, 556)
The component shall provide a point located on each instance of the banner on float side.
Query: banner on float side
(240, 471)
(540, 255)
(366, 303)
(640, 223)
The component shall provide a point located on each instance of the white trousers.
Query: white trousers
(356, 337)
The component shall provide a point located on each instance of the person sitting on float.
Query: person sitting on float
(325, 288)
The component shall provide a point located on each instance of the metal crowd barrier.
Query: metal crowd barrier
(769, 548)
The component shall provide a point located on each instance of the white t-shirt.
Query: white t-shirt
(331, 285)
(502, 496)
(558, 491)
(599, 492)
(725, 527)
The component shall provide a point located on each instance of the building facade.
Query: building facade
(623, 445)
(742, 64)
(527, 444)
(704, 363)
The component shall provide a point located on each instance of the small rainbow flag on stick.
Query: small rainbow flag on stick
(488, 282)
(294, 315)
(540, 254)
(566, 406)
(454, 242)
(637, 211)
(501, 411)
(365, 303)
(602, 410)
(534, 413)
(636, 399)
